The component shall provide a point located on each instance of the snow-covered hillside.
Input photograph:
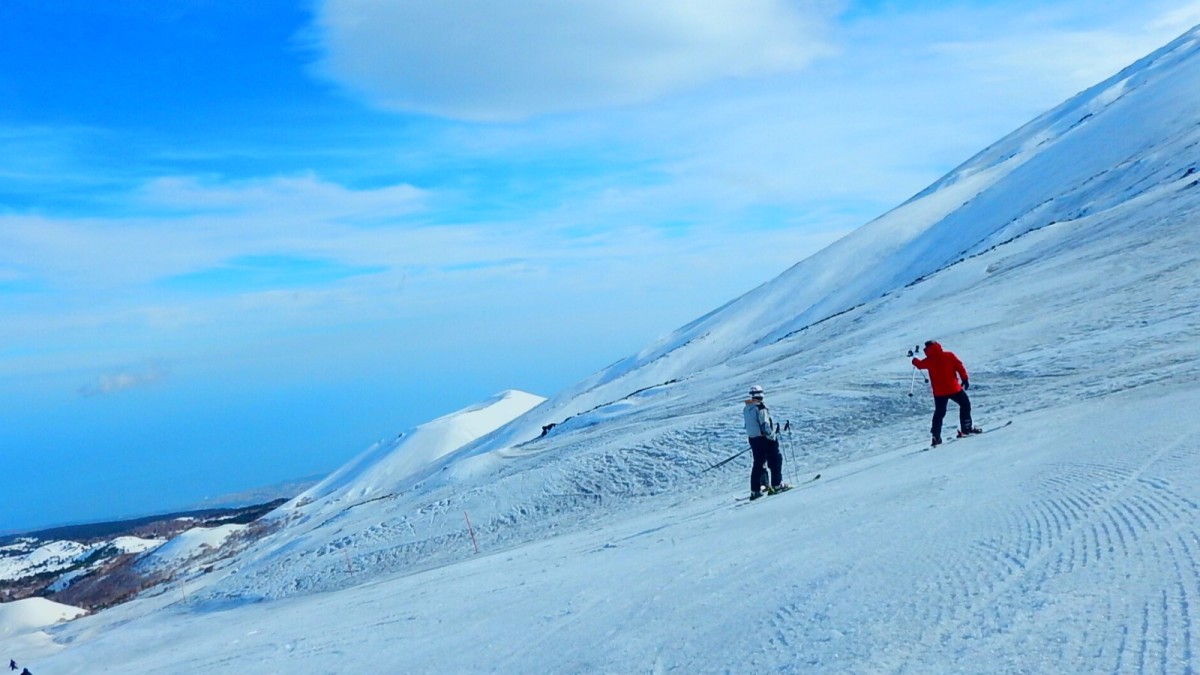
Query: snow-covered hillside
(1124, 138)
(383, 467)
(95, 565)
(27, 557)
(1059, 264)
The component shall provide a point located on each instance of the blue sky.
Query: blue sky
(239, 242)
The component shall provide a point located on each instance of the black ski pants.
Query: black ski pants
(939, 411)
(766, 451)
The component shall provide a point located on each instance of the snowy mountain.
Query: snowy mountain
(1059, 264)
(27, 557)
(98, 564)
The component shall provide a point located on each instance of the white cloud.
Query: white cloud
(1178, 20)
(111, 383)
(488, 60)
(304, 195)
(205, 224)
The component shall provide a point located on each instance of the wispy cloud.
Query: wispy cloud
(1178, 19)
(187, 225)
(305, 195)
(485, 60)
(266, 272)
(112, 383)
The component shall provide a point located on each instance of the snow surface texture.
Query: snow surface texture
(1059, 264)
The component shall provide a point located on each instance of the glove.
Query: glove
(966, 385)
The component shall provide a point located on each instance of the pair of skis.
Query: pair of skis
(951, 440)
(769, 493)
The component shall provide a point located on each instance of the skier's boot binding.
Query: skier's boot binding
(755, 495)
(937, 440)
(969, 430)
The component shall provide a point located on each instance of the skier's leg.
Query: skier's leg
(756, 469)
(939, 414)
(964, 411)
(775, 463)
(762, 478)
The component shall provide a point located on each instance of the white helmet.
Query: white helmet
(756, 391)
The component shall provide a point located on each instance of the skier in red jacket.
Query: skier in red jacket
(948, 377)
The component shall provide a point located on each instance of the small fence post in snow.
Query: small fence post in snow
(472, 531)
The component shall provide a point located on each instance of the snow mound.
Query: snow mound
(136, 544)
(381, 469)
(33, 614)
(188, 545)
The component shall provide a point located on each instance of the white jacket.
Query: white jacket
(758, 419)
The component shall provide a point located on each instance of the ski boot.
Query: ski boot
(937, 440)
(969, 431)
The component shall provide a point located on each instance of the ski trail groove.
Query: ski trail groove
(1090, 520)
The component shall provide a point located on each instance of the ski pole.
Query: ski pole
(913, 382)
(787, 428)
(727, 460)
(779, 443)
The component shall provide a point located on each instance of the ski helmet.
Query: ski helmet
(756, 391)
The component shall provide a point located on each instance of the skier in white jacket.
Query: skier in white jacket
(763, 444)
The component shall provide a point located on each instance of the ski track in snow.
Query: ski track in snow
(1088, 520)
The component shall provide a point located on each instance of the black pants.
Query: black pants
(766, 451)
(939, 411)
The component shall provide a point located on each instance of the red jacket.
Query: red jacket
(945, 370)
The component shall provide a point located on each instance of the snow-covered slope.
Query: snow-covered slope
(31, 614)
(23, 624)
(1125, 137)
(1060, 264)
(187, 546)
(339, 528)
(380, 469)
(1019, 552)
